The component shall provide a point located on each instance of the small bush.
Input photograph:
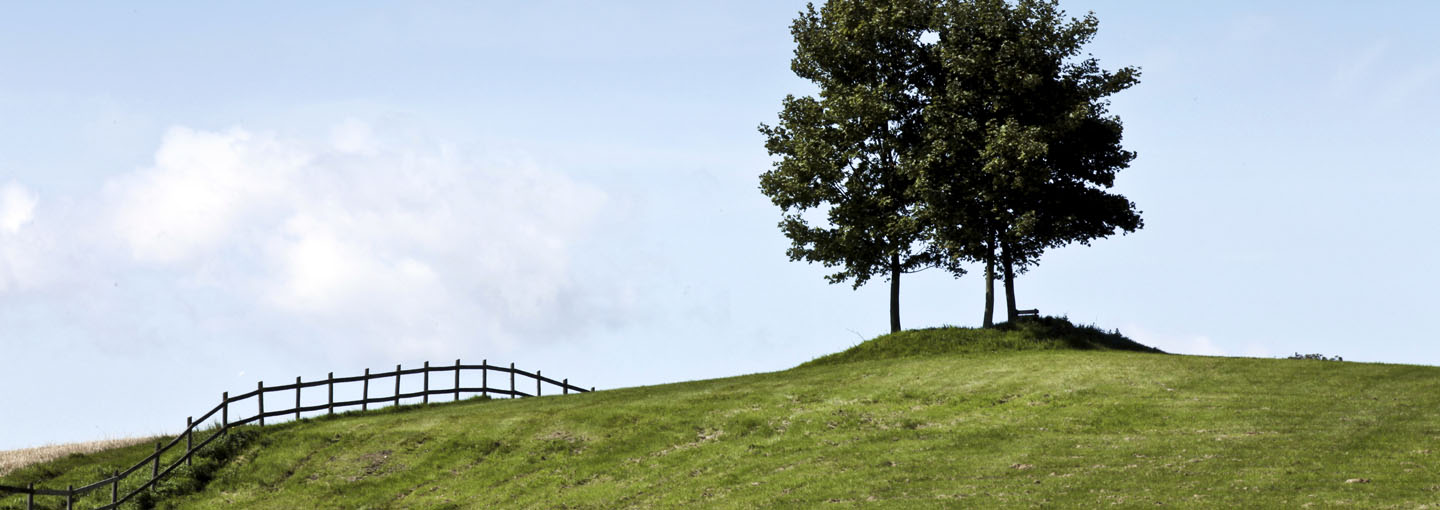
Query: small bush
(1320, 357)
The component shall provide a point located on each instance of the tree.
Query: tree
(1020, 145)
(849, 149)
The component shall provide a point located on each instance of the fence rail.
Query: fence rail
(455, 390)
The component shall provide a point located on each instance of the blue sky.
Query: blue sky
(197, 197)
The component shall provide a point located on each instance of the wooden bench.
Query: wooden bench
(1033, 313)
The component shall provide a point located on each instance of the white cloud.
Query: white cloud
(1176, 344)
(203, 187)
(399, 248)
(17, 207)
(1401, 89)
(1256, 351)
(18, 261)
(1387, 82)
(1355, 70)
(354, 137)
(1250, 28)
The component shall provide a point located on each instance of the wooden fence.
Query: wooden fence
(158, 472)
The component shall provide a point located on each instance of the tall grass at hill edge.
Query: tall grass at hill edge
(11, 460)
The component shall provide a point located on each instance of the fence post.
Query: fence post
(330, 379)
(260, 392)
(69, 496)
(224, 412)
(425, 399)
(297, 398)
(537, 383)
(365, 392)
(512, 379)
(565, 387)
(30, 497)
(189, 436)
(457, 379)
(155, 466)
(115, 488)
(397, 385)
(485, 377)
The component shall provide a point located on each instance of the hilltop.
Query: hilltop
(1044, 333)
(1048, 422)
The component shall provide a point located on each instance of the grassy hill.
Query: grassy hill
(1045, 333)
(937, 418)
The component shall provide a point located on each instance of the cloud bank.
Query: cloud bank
(17, 207)
(399, 248)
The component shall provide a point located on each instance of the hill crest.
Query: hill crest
(1044, 333)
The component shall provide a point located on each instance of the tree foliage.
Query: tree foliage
(1022, 146)
(848, 149)
(945, 132)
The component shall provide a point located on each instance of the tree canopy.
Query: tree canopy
(850, 148)
(946, 132)
(1022, 147)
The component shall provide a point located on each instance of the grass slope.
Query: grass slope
(982, 428)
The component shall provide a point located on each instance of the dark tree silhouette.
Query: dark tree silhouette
(1022, 149)
(946, 131)
(848, 149)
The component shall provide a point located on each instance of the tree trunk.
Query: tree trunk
(895, 293)
(989, 288)
(1005, 259)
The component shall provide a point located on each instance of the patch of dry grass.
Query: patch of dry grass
(11, 460)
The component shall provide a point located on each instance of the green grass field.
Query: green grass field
(1042, 416)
